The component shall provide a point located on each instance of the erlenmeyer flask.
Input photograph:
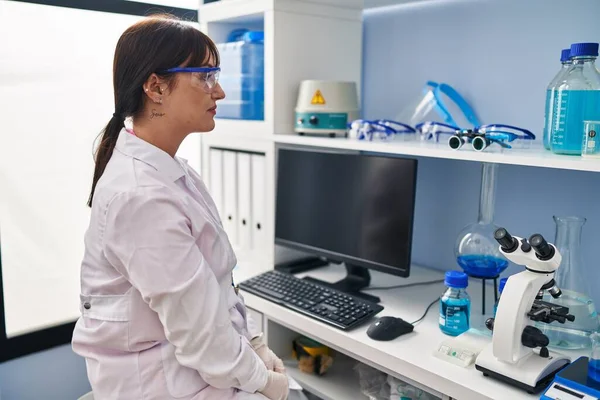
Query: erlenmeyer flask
(571, 277)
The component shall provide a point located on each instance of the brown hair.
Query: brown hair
(154, 44)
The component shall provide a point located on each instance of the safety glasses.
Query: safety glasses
(432, 130)
(205, 78)
(381, 129)
(480, 137)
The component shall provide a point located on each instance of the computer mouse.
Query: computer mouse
(388, 328)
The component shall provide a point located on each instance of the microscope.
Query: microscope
(512, 356)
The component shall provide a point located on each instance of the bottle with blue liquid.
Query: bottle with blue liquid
(565, 59)
(500, 289)
(577, 100)
(455, 304)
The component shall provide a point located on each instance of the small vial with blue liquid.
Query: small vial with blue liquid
(565, 60)
(500, 289)
(455, 304)
(577, 100)
(594, 365)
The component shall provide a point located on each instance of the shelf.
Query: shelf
(237, 11)
(234, 10)
(533, 157)
(335, 384)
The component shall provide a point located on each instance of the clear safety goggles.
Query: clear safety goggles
(433, 130)
(205, 78)
(381, 129)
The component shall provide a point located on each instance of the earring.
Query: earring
(146, 90)
(160, 101)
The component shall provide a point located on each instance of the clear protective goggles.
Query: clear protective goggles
(205, 78)
(381, 129)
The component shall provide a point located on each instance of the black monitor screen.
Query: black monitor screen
(350, 208)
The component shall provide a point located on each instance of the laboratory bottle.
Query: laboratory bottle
(455, 304)
(565, 60)
(500, 289)
(577, 100)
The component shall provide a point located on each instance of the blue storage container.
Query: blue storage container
(242, 76)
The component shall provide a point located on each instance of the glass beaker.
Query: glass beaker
(571, 277)
(594, 365)
(476, 250)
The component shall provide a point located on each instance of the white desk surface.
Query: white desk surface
(409, 356)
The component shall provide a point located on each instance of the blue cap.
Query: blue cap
(502, 283)
(254, 36)
(456, 279)
(584, 49)
(565, 55)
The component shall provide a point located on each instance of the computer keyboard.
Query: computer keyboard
(317, 301)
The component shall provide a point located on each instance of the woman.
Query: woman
(160, 317)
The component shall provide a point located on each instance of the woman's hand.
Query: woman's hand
(277, 387)
(272, 362)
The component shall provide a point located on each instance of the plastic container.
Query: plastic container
(577, 100)
(455, 304)
(565, 59)
(500, 289)
(242, 76)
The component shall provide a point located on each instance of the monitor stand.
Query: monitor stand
(357, 278)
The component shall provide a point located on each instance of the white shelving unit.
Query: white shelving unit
(322, 39)
(532, 157)
(330, 50)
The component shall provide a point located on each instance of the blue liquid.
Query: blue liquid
(481, 265)
(594, 370)
(572, 107)
(548, 117)
(454, 316)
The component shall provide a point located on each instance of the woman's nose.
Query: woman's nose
(218, 93)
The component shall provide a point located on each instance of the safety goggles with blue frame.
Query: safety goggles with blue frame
(205, 78)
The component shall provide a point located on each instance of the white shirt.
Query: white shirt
(160, 318)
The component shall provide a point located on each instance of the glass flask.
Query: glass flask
(571, 277)
(476, 250)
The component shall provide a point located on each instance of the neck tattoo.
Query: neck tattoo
(156, 114)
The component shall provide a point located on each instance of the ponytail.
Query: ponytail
(105, 149)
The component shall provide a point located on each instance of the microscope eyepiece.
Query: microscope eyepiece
(508, 243)
(542, 249)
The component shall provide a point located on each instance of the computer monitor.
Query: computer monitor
(347, 207)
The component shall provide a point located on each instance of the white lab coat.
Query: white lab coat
(159, 316)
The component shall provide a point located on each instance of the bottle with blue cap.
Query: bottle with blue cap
(565, 60)
(500, 289)
(455, 304)
(577, 100)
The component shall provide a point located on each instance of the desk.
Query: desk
(408, 357)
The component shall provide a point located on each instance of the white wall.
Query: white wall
(55, 97)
